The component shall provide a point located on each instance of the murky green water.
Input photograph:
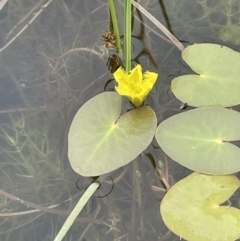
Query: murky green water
(48, 71)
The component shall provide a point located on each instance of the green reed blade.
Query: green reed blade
(115, 24)
(127, 35)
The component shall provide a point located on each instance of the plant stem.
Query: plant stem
(115, 24)
(79, 206)
(77, 209)
(127, 35)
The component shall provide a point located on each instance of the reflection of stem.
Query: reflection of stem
(166, 16)
(151, 29)
(159, 25)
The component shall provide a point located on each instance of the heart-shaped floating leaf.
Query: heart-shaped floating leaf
(199, 139)
(100, 141)
(218, 82)
(191, 208)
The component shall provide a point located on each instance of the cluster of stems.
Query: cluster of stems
(127, 31)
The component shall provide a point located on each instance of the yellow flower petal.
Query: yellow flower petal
(136, 75)
(135, 85)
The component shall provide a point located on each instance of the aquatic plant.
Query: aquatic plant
(108, 137)
(112, 132)
(52, 93)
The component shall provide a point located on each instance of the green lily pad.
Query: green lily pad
(191, 208)
(199, 139)
(100, 140)
(218, 82)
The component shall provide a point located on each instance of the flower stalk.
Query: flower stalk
(127, 34)
(115, 25)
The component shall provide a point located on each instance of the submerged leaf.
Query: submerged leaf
(191, 208)
(100, 140)
(199, 139)
(218, 82)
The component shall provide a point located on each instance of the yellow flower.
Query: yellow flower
(135, 85)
